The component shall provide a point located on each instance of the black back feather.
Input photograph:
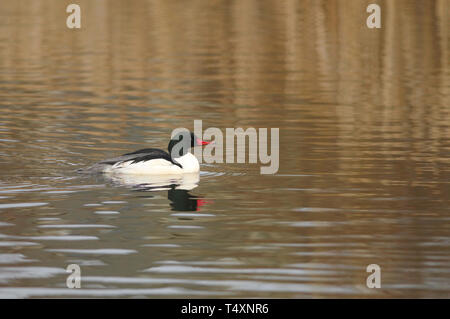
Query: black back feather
(142, 155)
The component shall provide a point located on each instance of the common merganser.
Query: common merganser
(178, 160)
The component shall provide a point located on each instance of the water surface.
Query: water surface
(364, 148)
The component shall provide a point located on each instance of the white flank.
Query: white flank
(157, 166)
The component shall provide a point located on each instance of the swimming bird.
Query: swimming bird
(153, 161)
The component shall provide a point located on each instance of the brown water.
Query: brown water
(364, 118)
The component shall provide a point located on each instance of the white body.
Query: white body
(157, 166)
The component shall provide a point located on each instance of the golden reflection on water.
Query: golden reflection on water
(364, 139)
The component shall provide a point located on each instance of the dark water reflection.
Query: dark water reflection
(364, 148)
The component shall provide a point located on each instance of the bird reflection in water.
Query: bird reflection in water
(182, 200)
(178, 187)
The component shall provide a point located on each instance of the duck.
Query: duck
(153, 161)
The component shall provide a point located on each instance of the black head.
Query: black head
(182, 142)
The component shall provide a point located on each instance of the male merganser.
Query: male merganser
(178, 160)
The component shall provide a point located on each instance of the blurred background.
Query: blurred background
(364, 148)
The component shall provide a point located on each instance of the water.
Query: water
(364, 149)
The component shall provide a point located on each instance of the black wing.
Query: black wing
(146, 150)
(145, 154)
(142, 155)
